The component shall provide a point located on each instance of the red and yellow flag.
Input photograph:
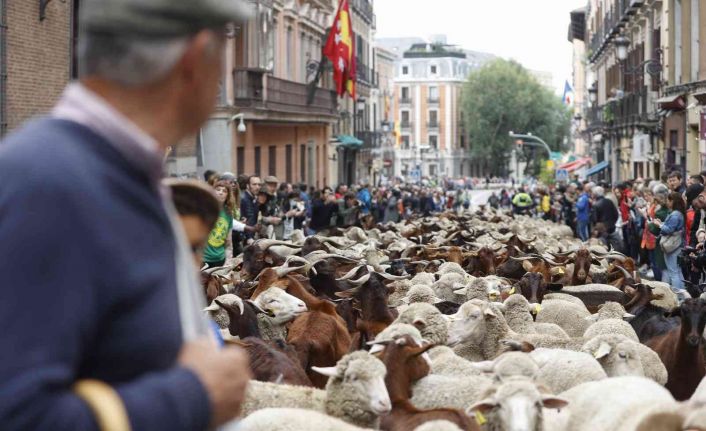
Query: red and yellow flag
(340, 49)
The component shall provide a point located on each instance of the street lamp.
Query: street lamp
(593, 93)
(621, 45)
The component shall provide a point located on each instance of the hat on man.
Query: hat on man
(271, 180)
(160, 18)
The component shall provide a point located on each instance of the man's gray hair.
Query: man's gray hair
(127, 60)
(598, 191)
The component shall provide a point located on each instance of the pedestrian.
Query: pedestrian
(583, 213)
(323, 209)
(675, 183)
(661, 212)
(220, 237)
(102, 306)
(672, 243)
(392, 212)
(271, 212)
(605, 214)
(249, 208)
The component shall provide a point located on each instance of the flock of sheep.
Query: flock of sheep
(472, 321)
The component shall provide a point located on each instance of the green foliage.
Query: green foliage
(501, 97)
(547, 176)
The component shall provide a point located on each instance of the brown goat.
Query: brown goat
(273, 362)
(682, 349)
(405, 365)
(319, 336)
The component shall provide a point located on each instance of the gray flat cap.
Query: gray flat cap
(160, 18)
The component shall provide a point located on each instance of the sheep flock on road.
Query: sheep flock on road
(478, 320)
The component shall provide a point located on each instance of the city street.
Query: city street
(258, 215)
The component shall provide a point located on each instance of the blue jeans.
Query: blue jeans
(656, 270)
(583, 230)
(673, 274)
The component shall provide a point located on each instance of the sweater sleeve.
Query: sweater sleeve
(48, 312)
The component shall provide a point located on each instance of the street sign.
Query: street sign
(556, 156)
(562, 175)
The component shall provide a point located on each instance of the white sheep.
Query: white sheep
(438, 425)
(561, 369)
(425, 278)
(570, 317)
(610, 310)
(448, 283)
(515, 404)
(293, 419)
(447, 363)
(421, 293)
(355, 392)
(607, 348)
(615, 404)
(447, 267)
(517, 311)
(439, 391)
(428, 319)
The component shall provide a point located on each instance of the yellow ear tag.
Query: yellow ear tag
(512, 291)
(480, 418)
(537, 308)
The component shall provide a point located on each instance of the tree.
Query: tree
(503, 96)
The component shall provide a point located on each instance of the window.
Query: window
(258, 159)
(404, 94)
(434, 94)
(289, 161)
(404, 118)
(291, 73)
(240, 164)
(434, 142)
(405, 142)
(405, 70)
(272, 159)
(302, 163)
(432, 170)
(433, 118)
(433, 69)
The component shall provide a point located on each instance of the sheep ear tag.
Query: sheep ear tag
(513, 290)
(325, 371)
(480, 419)
(537, 308)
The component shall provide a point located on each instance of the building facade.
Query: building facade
(646, 79)
(36, 57)
(427, 100)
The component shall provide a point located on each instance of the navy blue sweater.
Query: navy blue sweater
(87, 286)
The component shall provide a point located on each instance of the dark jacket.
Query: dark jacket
(321, 214)
(605, 212)
(88, 286)
(248, 211)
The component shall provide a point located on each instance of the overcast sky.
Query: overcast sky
(532, 32)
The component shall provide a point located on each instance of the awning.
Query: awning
(576, 164)
(349, 141)
(598, 168)
(673, 103)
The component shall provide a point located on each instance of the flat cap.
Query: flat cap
(271, 179)
(160, 18)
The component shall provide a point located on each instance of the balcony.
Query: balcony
(370, 139)
(364, 8)
(433, 100)
(406, 125)
(630, 110)
(257, 89)
(405, 100)
(366, 75)
(433, 125)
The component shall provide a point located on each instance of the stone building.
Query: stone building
(646, 79)
(428, 86)
(36, 57)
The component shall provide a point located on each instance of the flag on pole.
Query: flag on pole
(340, 50)
(568, 94)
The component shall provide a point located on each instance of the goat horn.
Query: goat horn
(264, 244)
(624, 271)
(361, 281)
(387, 276)
(350, 274)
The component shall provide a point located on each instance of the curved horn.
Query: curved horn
(361, 281)
(264, 244)
(624, 271)
(350, 274)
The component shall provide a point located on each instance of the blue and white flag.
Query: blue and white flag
(568, 94)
